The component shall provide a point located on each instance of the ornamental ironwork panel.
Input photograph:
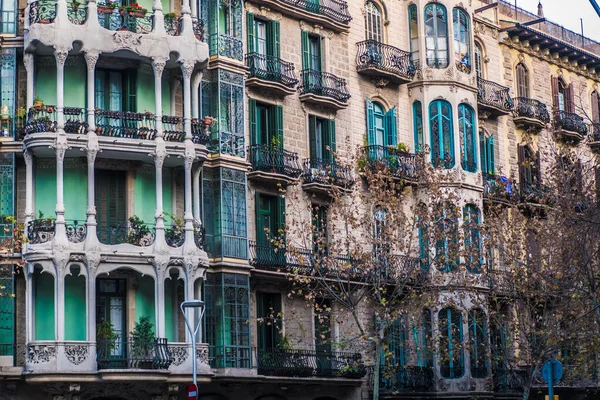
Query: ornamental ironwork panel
(42, 11)
(327, 172)
(173, 128)
(493, 95)
(175, 235)
(124, 21)
(77, 13)
(400, 163)
(310, 363)
(134, 232)
(40, 230)
(133, 353)
(531, 108)
(76, 232)
(373, 54)
(570, 122)
(402, 378)
(122, 124)
(271, 69)
(173, 26)
(9, 120)
(337, 10)
(226, 46)
(268, 159)
(324, 84)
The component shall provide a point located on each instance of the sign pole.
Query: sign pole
(550, 383)
(193, 388)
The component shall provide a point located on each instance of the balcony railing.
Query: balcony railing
(198, 27)
(402, 379)
(327, 172)
(122, 124)
(400, 163)
(77, 13)
(133, 353)
(199, 236)
(40, 231)
(279, 161)
(324, 84)
(42, 11)
(173, 26)
(124, 21)
(570, 122)
(375, 55)
(76, 231)
(41, 119)
(271, 69)
(499, 188)
(310, 363)
(264, 256)
(334, 9)
(491, 94)
(226, 46)
(138, 233)
(173, 128)
(532, 109)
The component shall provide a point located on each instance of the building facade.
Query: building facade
(149, 150)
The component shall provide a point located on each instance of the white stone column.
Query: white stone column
(28, 270)
(61, 148)
(195, 96)
(59, 296)
(188, 215)
(91, 59)
(28, 60)
(28, 186)
(158, 18)
(159, 295)
(91, 300)
(92, 18)
(158, 66)
(61, 58)
(186, 69)
(159, 158)
(91, 192)
(197, 169)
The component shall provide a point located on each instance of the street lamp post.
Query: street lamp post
(193, 304)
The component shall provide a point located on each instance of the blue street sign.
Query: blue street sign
(552, 371)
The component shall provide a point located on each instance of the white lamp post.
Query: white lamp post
(193, 304)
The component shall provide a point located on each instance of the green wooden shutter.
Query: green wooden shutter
(390, 128)
(250, 34)
(252, 115)
(312, 123)
(331, 138)
(278, 126)
(491, 162)
(130, 86)
(305, 50)
(260, 229)
(281, 214)
(273, 39)
(370, 123)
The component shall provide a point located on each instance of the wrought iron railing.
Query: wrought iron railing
(41, 119)
(173, 26)
(493, 95)
(175, 235)
(402, 378)
(499, 188)
(200, 132)
(310, 363)
(173, 128)
(40, 230)
(531, 108)
(324, 84)
(136, 233)
(337, 10)
(265, 256)
(77, 13)
(373, 54)
(76, 231)
(199, 236)
(268, 159)
(327, 172)
(271, 69)
(42, 11)
(226, 46)
(124, 21)
(570, 122)
(122, 124)
(75, 120)
(133, 353)
(400, 163)
(198, 27)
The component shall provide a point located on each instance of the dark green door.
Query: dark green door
(323, 324)
(111, 211)
(110, 307)
(7, 312)
(268, 309)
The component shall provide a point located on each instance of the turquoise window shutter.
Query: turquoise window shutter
(279, 126)
(418, 126)
(312, 122)
(390, 128)
(490, 155)
(250, 32)
(331, 137)
(281, 215)
(370, 123)
(252, 115)
(305, 51)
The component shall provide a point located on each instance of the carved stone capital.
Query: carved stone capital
(158, 65)
(61, 147)
(91, 152)
(91, 59)
(187, 68)
(61, 57)
(28, 61)
(28, 157)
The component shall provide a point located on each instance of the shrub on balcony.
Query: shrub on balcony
(106, 337)
(142, 347)
(138, 230)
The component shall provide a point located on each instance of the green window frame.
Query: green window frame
(436, 35)
(322, 139)
(452, 363)
(478, 354)
(446, 246)
(413, 27)
(8, 88)
(266, 124)
(373, 22)
(116, 90)
(268, 314)
(263, 37)
(270, 217)
(418, 127)
(442, 135)
(382, 127)
(467, 137)
(311, 52)
(472, 228)
(486, 149)
(7, 310)
(462, 39)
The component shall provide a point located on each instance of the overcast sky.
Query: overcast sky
(567, 14)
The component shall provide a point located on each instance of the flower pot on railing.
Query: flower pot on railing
(102, 9)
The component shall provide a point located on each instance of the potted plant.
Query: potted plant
(106, 342)
(143, 341)
(134, 10)
(38, 104)
(138, 231)
(208, 120)
(75, 5)
(108, 7)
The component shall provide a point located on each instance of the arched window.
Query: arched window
(442, 136)
(413, 26)
(522, 75)
(478, 339)
(462, 40)
(381, 125)
(436, 35)
(452, 356)
(472, 222)
(478, 60)
(446, 233)
(373, 22)
(466, 132)
(418, 127)
(486, 149)
(422, 338)
(595, 107)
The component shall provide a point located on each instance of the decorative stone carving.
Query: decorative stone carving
(202, 354)
(91, 59)
(158, 66)
(37, 354)
(76, 353)
(61, 57)
(179, 354)
(28, 61)
(380, 82)
(186, 69)
(127, 40)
